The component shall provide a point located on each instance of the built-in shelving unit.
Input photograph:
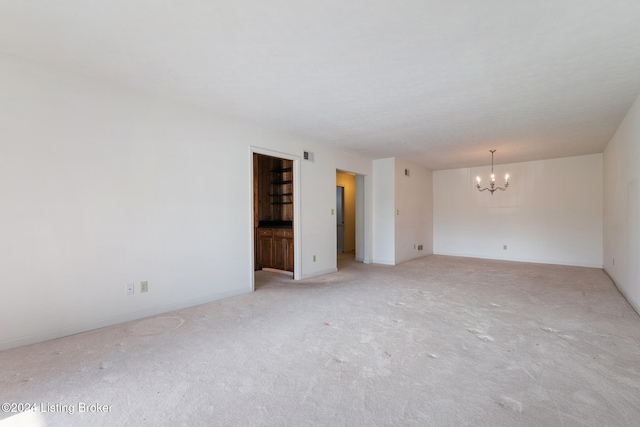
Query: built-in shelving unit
(281, 186)
(273, 209)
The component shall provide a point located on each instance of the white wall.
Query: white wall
(622, 207)
(414, 211)
(102, 186)
(551, 213)
(402, 211)
(384, 211)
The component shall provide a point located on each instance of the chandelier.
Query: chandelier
(492, 184)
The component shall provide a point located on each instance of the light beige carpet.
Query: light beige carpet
(436, 341)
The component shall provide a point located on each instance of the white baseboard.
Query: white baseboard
(319, 273)
(383, 262)
(413, 258)
(529, 260)
(110, 321)
(624, 293)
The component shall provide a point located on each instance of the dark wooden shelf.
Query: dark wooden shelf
(283, 170)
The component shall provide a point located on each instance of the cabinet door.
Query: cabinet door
(278, 250)
(265, 248)
(288, 253)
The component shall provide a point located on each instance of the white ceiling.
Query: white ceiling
(437, 82)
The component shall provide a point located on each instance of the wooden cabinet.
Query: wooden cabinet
(278, 252)
(273, 189)
(275, 248)
(265, 247)
(287, 247)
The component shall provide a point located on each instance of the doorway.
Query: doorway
(275, 201)
(340, 218)
(349, 217)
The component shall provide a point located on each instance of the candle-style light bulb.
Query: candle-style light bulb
(493, 178)
(478, 179)
(506, 177)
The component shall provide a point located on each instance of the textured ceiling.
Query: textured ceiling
(436, 82)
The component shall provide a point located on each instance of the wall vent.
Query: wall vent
(308, 155)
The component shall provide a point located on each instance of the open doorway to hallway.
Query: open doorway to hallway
(340, 218)
(347, 210)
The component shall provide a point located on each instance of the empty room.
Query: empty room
(320, 213)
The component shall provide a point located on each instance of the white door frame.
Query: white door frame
(361, 254)
(297, 270)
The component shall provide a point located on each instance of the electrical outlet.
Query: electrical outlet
(419, 247)
(314, 258)
(504, 247)
(144, 286)
(129, 289)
